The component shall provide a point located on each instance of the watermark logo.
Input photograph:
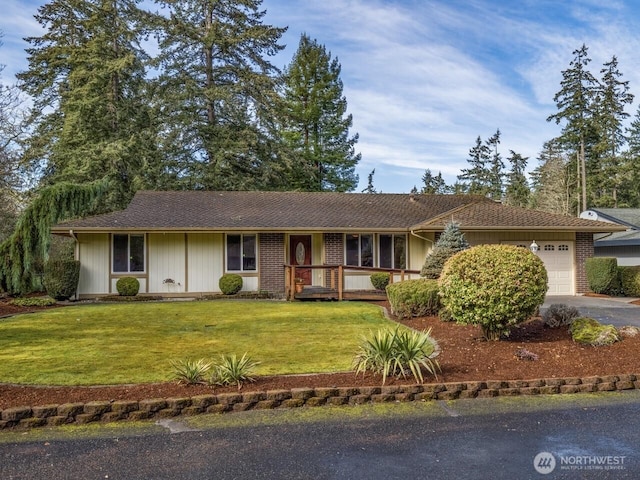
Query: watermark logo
(544, 463)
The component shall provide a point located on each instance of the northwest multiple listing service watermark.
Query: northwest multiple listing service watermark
(545, 462)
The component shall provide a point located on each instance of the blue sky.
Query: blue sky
(424, 78)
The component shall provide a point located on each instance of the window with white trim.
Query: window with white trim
(128, 253)
(242, 253)
(392, 251)
(359, 250)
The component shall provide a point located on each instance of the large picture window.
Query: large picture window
(128, 253)
(359, 250)
(393, 251)
(241, 253)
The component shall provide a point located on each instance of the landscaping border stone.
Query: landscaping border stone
(110, 411)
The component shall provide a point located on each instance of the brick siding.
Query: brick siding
(584, 250)
(271, 278)
(333, 253)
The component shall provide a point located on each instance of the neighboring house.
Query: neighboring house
(625, 246)
(181, 243)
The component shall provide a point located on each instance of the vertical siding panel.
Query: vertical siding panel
(166, 260)
(93, 253)
(206, 261)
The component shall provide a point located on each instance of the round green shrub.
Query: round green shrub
(230, 283)
(414, 298)
(379, 280)
(61, 278)
(128, 286)
(493, 286)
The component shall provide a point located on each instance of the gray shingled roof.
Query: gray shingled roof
(326, 211)
(628, 216)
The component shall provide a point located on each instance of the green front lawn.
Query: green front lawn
(134, 343)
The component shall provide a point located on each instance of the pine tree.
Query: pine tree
(496, 168)
(217, 93)
(86, 76)
(433, 185)
(611, 98)
(476, 178)
(517, 191)
(575, 107)
(316, 126)
(451, 241)
(370, 188)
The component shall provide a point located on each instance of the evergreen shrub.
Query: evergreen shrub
(450, 242)
(230, 283)
(414, 298)
(61, 278)
(128, 286)
(493, 286)
(602, 274)
(630, 281)
(379, 280)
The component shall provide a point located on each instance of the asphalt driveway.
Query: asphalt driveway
(618, 311)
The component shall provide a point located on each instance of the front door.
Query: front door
(300, 254)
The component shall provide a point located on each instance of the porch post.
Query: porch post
(340, 281)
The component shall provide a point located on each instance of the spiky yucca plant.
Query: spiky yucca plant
(191, 372)
(233, 370)
(395, 353)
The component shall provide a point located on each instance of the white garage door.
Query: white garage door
(558, 260)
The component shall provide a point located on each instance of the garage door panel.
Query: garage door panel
(558, 259)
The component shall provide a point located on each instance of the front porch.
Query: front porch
(334, 279)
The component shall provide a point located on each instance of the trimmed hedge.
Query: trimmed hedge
(230, 283)
(414, 298)
(493, 286)
(379, 280)
(630, 281)
(128, 286)
(61, 278)
(602, 274)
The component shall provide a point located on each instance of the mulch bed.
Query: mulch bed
(465, 357)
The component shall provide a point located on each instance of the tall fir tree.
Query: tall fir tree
(88, 82)
(575, 103)
(475, 178)
(485, 175)
(316, 125)
(517, 191)
(216, 93)
(611, 98)
(433, 185)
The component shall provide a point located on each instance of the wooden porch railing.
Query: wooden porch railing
(336, 276)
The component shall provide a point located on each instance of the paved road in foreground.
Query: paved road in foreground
(587, 436)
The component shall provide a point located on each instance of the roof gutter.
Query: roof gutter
(413, 232)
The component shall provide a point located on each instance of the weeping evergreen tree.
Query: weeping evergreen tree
(450, 242)
(29, 243)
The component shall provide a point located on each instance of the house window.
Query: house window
(359, 250)
(241, 253)
(549, 248)
(393, 251)
(563, 248)
(128, 253)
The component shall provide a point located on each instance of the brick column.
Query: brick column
(333, 253)
(584, 250)
(271, 275)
